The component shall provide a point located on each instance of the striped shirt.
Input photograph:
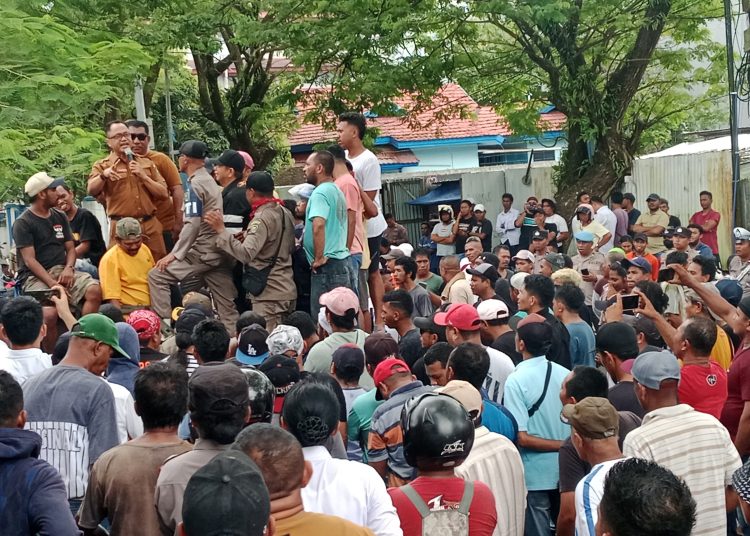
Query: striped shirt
(698, 449)
(386, 436)
(495, 461)
(589, 493)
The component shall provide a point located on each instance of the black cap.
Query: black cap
(438, 432)
(226, 496)
(282, 371)
(232, 159)
(539, 235)
(188, 319)
(682, 231)
(217, 389)
(653, 197)
(485, 270)
(490, 258)
(427, 323)
(619, 339)
(630, 196)
(260, 181)
(194, 149)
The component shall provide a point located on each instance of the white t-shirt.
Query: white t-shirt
(444, 229)
(23, 364)
(500, 368)
(129, 424)
(589, 493)
(608, 219)
(367, 172)
(559, 221)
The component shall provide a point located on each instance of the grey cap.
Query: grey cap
(653, 197)
(652, 368)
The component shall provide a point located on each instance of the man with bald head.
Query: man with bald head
(457, 289)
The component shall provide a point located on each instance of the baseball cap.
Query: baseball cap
(348, 357)
(394, 253)
(653, 197)
(128, 228)
(283, 373)
(378, 346)
(517, 279)
(539, 235)
(100, 328)
(492, 310)
(232, 159)
(284, 338)
(460, 316)
(730, 290)
(524, 255)
(740, 234)
(682, 231)
(479, 208)
(693, 296)
(652, 368)
(39, 182)
(385, 370)
(490, 258)
(445, 208)
(593, 417)
(261, 181)
(584, 207)
(249, 162)
(556, 260)
(427, 323)
(209, 164)
(340, 300)
(584, 236)
(217, 389)
(189, 319)
(638, 262)
(640, 237)
(226, 496)
(197, 298)
(466, 394)
(145, 323)
(303, 191)
(486, 271)
(251, 345)
(628, 195)
(194, 149)
(618, 338)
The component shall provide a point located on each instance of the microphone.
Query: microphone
(129, 154)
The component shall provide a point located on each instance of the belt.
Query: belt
(141, 219)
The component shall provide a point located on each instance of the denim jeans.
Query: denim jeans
(539, 513)
(356, 259)
(333, 274)
(84, 265)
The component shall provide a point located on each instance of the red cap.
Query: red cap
(460, 316)
(387, 368)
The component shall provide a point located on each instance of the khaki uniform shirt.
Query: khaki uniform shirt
(203, 196)
(167, 169)
(458, 290)
(691, 253)
(259, 246)
(657, 219)
(593, 263)
(173, 479)
(740, 271)
(128, 196)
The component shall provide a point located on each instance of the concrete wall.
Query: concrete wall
(449, 157)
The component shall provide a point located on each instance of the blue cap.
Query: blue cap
(730, 290)
(652, 368)
(638, 262)
(584, 236)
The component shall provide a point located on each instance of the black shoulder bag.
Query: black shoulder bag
(254, 280)
(539, 402)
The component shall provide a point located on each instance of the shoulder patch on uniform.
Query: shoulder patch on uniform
(253, 227)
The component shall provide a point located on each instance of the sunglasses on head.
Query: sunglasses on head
(140, 137)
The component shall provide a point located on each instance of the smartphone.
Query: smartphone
(630, 302)
(584, 271)
(41, 296)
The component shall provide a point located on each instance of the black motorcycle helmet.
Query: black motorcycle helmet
(438, 432)
(261, 393)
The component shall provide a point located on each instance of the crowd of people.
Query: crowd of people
(228, 362)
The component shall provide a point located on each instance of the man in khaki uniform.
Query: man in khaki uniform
(653, 223)
(195, 255)
(270, 233)
(129, 186)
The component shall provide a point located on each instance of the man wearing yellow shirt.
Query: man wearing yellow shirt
(653, 223)
(124, 268)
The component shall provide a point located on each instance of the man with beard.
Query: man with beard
(169, 210)
(129, 186)
(653, 224)
(325, 235)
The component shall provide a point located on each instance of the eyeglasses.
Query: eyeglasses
(121, 135)
(140, 137)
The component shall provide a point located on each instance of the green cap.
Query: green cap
(99, 328)
(128, 228)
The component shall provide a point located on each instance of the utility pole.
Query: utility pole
(168, 109)
(140, 103)
(732, 107)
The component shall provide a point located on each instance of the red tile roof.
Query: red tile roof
(452, 114)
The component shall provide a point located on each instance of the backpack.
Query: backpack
(443, 522)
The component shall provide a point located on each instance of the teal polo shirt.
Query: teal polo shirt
(522, 389)
(327, 202)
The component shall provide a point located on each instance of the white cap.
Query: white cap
(525, 255)
(516, 281)
(303, 191)
(479, 208)
(407, 248)
(39, 182)
(492, 310)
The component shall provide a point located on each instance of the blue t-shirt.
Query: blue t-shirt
(582, 344)
(522, 389)
(327, 202)
(496, 418)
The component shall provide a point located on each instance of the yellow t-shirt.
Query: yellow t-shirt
(596, 229)
(657, 219)
(124, 277)
(312, 524)
(722, 350)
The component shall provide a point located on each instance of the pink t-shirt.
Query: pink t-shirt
(709, 237)
(350, 189)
